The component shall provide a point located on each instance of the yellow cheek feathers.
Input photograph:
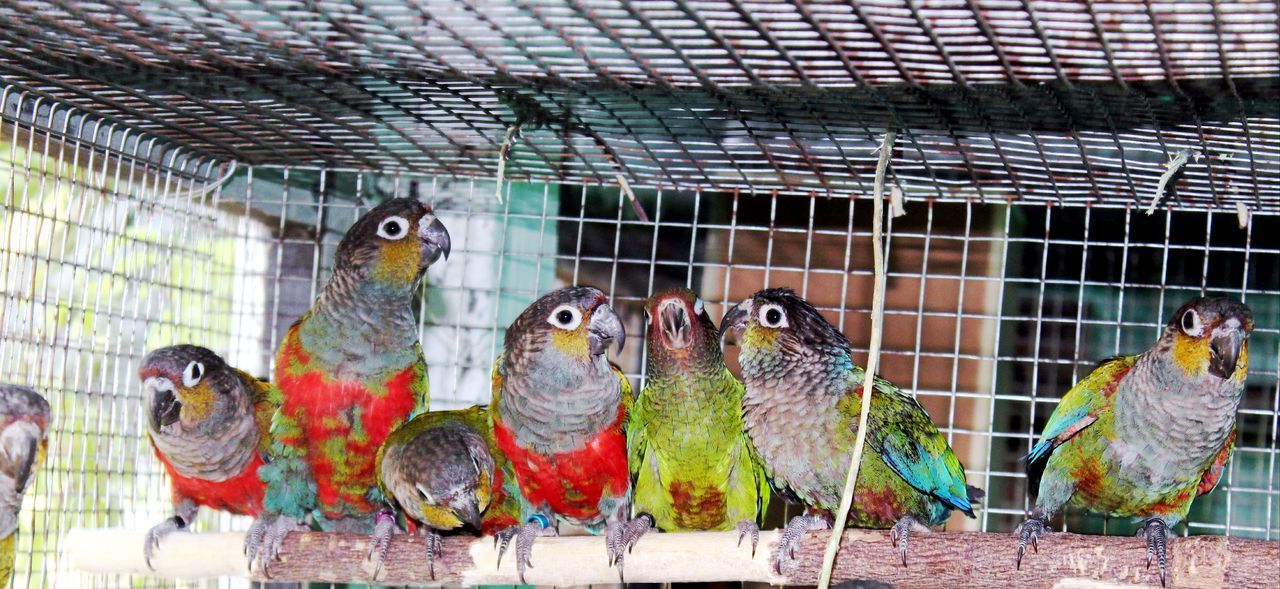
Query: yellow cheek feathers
(439, 518)
(484, 491)
(572, 343)
(197, 403)
(398, 260)
(1192, 355)
(760, 337)
(1242, 363)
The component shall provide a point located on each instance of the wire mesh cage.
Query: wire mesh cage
(182, 172)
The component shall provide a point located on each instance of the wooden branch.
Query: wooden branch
(969, 559)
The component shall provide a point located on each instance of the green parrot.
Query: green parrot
(1142, 436)
(444, 472)
(24, 438)
(803, 397)
(347, 373)
(693, 465)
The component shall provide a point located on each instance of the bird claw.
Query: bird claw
(435, 548)
(154, 535)
(745, 527)
(380, 540)
(524, 536)
(1156, 532)
(265, 539)
(901, 534)
(621, 537)
(792, 535)
(1029, 531)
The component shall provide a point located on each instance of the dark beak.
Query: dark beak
(1224, 351)
(734, 323)
(605, 329)
(673, 320)
(436, 237)
(469, 513)
(165, 406)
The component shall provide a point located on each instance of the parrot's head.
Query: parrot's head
(444, 477)
(1210, 335)
(679, 326)
(575, 323)
(393, 244)
(24, 435)
(191, 388)
(776, 325)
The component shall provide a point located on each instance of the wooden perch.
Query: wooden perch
(941, 559)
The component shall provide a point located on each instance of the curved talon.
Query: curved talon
(1029, 531)
(1156, 533)
(264, 547)
(749, 527)
(435, 548)
(380, 541)
(792, 535)
(901, 534)
(524, 535)
(621, 537)
(152, 541)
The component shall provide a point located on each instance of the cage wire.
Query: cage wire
(183, 171)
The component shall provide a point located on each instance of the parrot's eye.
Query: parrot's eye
(1191, 324)
(647, 318)
(772, 316)
(565, 317)
(424, 495)
(393, 228)
(192, 374)
(697, 306)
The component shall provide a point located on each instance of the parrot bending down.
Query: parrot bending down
(803, 398)
(348, 373)
(559, 416)
(24, 437)
(1142, 436)
(693, 465)
(208, 426)
(443, 470)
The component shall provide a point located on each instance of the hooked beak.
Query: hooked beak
(604, 330)
(734, 323)
(468, 512)
(1224, 350)
(673, 320)
(436, 238)
(165, 406)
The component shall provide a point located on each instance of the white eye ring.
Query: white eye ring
(697, 306)
(773, 316)
(565, 317)
(424, 495)
(1191, 324)
(192, 374)
(646, 316)
(393, 228)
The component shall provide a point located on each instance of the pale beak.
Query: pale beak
(605, 329)
(734, 324)
(436, 237)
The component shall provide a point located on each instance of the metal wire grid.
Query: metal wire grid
(109, 250)
(997, 100)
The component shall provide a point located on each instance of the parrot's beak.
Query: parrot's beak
(469, 513)
(436, 238)
(165, 406)
(1224, 348)
(605, 329)
(673, 320)
(734, 323)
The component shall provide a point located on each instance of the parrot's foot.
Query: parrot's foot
(435, 548)
(620, 538)
(265, 539)
(1029, 532)
(746, 527)
(161, 530)
(791, 536)
(901, 533)
(1157, 534)
(380, 541)
(524, 535)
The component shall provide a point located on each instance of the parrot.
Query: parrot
(24, 438)
(208, 427)
(559, 415)
(1142, 436)
(443, 470)
(693, 465)
(801, 407)
(347, 373)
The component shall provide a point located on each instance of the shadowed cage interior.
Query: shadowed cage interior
(186, 176)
